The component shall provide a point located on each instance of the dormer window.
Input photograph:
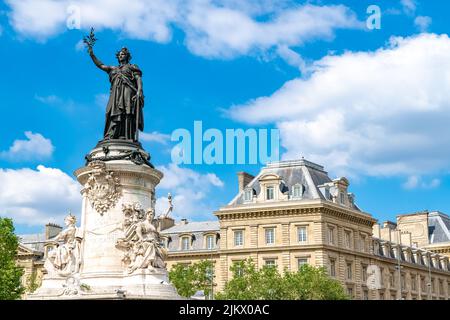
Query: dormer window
(248, 195)
(342, 198)
(210, 242)
(185, 243)
(270, 192)
(297, 191)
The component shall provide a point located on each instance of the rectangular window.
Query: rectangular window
(297, 192)
(349, 271)
(342, 198)
(413, 283)
(363, 243)
(270, 235)
(381, 296)
(302, 234)
(330, 235)
(270, 193)
(403, 282)
(366, 295)
(332, 268)
(347, 238)
(391, 280)
(270, 263)
(185, 243)
(210, 242)
(301, 262)
(239, 238)
(350, 292)
(441, 287)
(364, 273)
(422, 285)
(248, 195)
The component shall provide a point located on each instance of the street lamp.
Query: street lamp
(429, 277)
(399, 254)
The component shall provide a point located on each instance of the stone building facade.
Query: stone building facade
(293, 213)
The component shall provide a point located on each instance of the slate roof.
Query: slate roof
(439, 227)
(307, 173)
(34, 241)
(190, 227)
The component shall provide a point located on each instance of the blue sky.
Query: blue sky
(371, 105)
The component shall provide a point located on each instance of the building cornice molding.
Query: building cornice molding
(310, 208)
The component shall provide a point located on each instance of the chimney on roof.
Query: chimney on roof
(184, 221)
(390, 225)
(52, 230)
(244, 179)
(165, 223)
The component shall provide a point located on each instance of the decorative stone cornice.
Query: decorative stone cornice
(322, 207)
(193, 254)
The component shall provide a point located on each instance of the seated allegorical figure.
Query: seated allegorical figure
(64, 259)
(146, 252)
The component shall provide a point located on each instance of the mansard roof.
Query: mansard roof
(439, 227)
(34, 241)
(311, 175)
(190, 227)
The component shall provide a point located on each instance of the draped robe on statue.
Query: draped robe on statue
(121, 117)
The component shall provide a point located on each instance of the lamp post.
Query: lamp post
(399, 253)
(430, 289)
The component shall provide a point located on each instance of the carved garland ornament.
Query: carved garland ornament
(102, 187)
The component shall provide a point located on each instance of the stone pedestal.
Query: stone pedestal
(117, 175)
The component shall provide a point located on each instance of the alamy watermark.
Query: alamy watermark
(374, 19)
(234, 146)
(73, 20)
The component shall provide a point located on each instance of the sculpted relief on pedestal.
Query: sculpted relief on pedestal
(102, 187)
(141, 241)
(64, 259)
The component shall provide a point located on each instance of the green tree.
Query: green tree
(10, 274)
(188, 279)
(309, 283)
(33, 282)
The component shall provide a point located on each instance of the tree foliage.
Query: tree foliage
(309, 283)
(33, 283)
(188, 279)
(10, 274)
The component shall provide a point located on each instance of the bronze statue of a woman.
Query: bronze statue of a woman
(124, 116)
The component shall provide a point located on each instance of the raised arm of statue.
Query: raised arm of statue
(97, 62)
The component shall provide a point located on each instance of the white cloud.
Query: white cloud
(223, 32)
(138, 19)
(423, 23)
(35, 197)
(374, 113)
(190, 191)
(218, 29)
(409, 6)
(101, 100)
(415, 182)
(291, 57)
(80, 46)
(36, 147)
(154, 137)
(50, 99)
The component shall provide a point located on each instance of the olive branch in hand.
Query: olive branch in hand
(89, 40)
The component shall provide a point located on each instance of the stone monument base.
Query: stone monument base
(118, 201)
